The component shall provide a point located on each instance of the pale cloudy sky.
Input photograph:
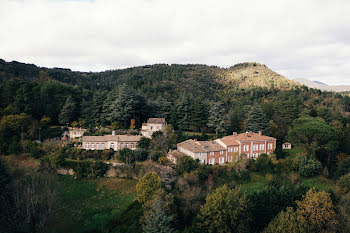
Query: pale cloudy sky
(297, 38)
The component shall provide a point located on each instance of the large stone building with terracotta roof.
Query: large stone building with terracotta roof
(152, 125)
(229, 148)
(115, 142)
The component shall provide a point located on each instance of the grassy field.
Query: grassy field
(90, 205)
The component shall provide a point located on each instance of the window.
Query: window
(132, 146)
(127, 145)
(112, 145)
(211, 161)
(235, 149)
(87, 145)
(102, 146)
(221, 160)
(229, 158)
(211, 152)
(262, 146)
(269, 146)
(151, 127)
(92, 146)
(255, 155)
(229, 149)
(246, 148)
(121, 145)
(97, 146)
(255, 147)
(221, 152)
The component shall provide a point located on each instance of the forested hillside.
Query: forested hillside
(196, 98)
(198, 101)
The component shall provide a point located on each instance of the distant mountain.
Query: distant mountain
(322, 86)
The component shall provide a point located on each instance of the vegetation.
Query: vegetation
(301, 190)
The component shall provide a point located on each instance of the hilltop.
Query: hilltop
(243, 75)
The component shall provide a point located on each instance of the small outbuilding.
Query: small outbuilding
(174, 155)
(286, 146)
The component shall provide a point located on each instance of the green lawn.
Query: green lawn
(319, 182)
(90, 205)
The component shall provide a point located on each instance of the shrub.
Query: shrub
(263, 163)
(186, 164)
(272, 180)
(309, 167)
(140, 155)
(344, 168)
(344, 184)
(90, 169)
(154, 155)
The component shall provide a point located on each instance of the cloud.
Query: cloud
(299, 39)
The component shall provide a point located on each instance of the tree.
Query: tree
(199, 115)
(344, 183)
(126, 156)
(344, 168)
(288, 221)
(156, 220)
(225, 210)
(144, 143)
(132, 124)
(183, 109)
(256, 121)
(344, 213)
(68, 111)
(147, 186)
(186, 164)
(217, 117)
(318, 210)
(311, 133)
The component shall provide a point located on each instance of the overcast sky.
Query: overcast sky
(298, 38)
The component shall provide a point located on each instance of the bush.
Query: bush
(140, 155)
(344, 168)
(154, 155)
(90, 169)
(186, 164)
(344, 183)
(272, 180)
(263, 163)
(309, 167)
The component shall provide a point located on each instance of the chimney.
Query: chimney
(260, 133)
(234, 133)
(113, 133)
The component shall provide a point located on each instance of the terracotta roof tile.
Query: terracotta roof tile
(156, 121)
(200, 146)
(250, 136)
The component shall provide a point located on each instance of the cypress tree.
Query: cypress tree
(256, 121)
(68, 111)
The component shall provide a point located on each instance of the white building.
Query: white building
(115, 142)
(152, 125)
(76, 132)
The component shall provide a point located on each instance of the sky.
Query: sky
(298, 38)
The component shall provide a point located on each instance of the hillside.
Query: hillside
(322, 86)
(180, 77)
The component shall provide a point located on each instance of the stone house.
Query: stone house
(76, 132)
(152, 125)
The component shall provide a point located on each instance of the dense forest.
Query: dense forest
(197, 100)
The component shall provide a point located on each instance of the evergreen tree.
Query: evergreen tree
(183, 109)
(156, 219)
(68, 111)
(217, 117)
(199, 115)
(161, 108)
(256, 121)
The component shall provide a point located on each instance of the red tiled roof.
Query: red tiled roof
(250, 136)
(156, 121)
(200, 146)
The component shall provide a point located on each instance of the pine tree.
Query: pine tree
(199, 114)
(216, 118)
(183, 111)
(68, 111)
(256, 121)
(156, 220)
